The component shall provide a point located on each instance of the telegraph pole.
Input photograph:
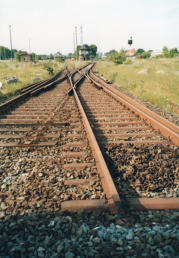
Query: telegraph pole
(81, 34)
(29, 47)
(74, 46)
(76, 41)
(10, 41)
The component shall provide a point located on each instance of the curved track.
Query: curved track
(51, 133)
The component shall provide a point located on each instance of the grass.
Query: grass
(153, 80)
(26, 73)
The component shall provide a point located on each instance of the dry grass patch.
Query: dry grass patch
(27, 72)
(154, 80)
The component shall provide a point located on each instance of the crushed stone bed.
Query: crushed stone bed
(92, 234)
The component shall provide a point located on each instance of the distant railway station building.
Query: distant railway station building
(25, 57)
(58, 56)
(84, 52)
(130, 52)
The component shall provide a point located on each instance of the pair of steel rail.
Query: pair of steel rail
(113, 200)
(166, 128)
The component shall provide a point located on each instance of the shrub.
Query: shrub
(17, 56)
(139, 52)
(46, 66)
(145, 55)
(116, 57)
(173, 52)
(128, 61)
(165, 52)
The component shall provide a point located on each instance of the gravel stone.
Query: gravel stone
(130, 235)
(32, 189)
(2, 214)
(69, 255)
(60, 247)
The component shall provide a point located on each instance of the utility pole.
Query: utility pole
(10, 41)
(29, 47)
(76, 41)
(81, 34)
(74, 45)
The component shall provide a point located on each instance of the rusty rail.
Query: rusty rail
(113, 198)
(36, 88)
(107, 182)
(166, 128)
(32, 91)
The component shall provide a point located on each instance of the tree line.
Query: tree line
(120, 57)
(5, 53)
(169, 53)
(113, 55)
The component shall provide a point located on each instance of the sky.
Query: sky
(50, 25)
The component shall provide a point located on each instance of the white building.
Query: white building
(156, 53)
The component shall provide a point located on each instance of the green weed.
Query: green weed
(27, 72)
(159, 77)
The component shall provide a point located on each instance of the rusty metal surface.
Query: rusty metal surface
(83, 205)
(127, 123)
(106, 179)
(166, 128)
(153, 203)
(29, 92)
(61, 121)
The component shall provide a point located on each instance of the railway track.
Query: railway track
(64, 141)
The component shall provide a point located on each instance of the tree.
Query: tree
(14, 52)
(69, 55)
(76, 54)
(173, 52)
(165, 51)
(120, 57)
(111, 52)
(146, 54)
(33, 56)
(5, 53)
(38, 57)
(111, 55)
(17, 55)
(51, 56)
(117, 58)
(93, 51)
(139, 52)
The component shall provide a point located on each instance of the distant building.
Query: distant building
(43, 57)
(25, 57)
(59, 56)
(84, 52)
(156, 53)
(130, 52)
